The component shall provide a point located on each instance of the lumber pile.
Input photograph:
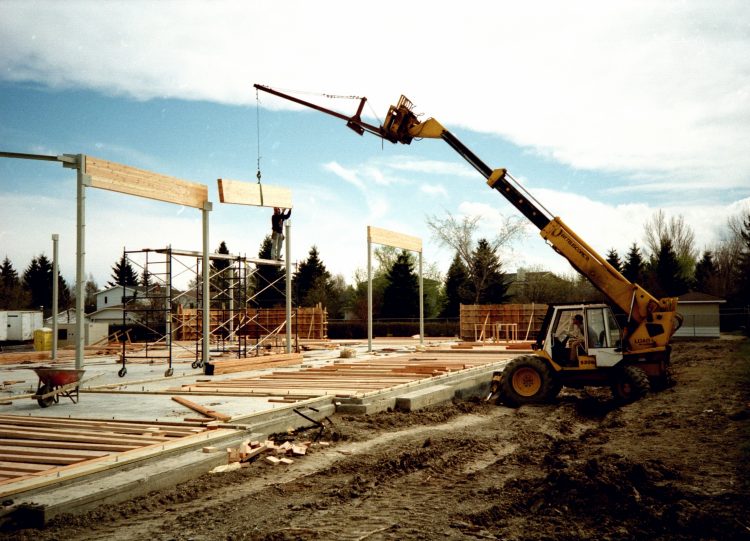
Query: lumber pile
(229, 366)
(32, 445)
(343, 378)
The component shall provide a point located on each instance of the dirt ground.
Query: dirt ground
(674, 465)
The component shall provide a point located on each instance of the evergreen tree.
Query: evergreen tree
(12, 294)
(613, 259)
(488, 281)
(634, 265)
(311, 281)
(123, 274)
(270, 288)
(667, 273)
(706, 274)
(37, 281)
(401, 295)
(457, 287)
(220, 280)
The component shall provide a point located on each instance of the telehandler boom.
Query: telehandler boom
(630, 360)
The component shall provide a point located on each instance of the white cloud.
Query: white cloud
(401, 163)
(659, 91)
(349, 175)
(661, 87)
(434, 189)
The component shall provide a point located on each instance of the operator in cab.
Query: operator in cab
(575, 337)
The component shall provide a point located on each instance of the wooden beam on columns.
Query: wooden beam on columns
(130, 180)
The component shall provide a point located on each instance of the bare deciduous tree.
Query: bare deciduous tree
(658, 230)
(458, 234)
(726, 254)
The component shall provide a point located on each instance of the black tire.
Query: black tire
(122, 372)
(631, 384)
(45, 402)
(169, 372)
(665, 379)
(528, 380)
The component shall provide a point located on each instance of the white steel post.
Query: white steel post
(288, 228)
(369, 295)
(80, 257)
(421, 302)
(55, 294)
(206, 294)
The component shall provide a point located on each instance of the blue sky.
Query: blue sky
(606, 112)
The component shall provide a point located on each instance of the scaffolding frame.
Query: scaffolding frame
(156, 306)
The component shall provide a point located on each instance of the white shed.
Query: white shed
(701, 315)
(21, 324)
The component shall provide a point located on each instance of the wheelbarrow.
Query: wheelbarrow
(56, 382)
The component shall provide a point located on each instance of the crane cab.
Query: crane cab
(581, 337)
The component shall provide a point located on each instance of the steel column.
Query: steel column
(206, 294)
(421, 302)
(369, 294)
(288, 228)
(80, 257)
(55, 294)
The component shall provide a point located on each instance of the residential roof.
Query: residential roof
(697, 296)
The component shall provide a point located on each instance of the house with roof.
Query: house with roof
(700, 312)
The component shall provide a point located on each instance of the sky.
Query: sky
(605, 111)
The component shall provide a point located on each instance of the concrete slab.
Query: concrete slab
(143, 394)
(422, 398)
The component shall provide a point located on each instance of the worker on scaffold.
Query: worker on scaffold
(277, 231)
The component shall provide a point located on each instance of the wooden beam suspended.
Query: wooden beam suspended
(130, 180)
(252, 193)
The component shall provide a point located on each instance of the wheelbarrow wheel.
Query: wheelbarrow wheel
(45, 402)
(122, 372)
(194, 364)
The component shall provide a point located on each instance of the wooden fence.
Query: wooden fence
(307, 323)
(493, 322)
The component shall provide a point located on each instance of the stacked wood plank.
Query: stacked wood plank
(478, 320)
(34, 445)
(343, 379)
(229, 366)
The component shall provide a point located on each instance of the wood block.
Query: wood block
(286, 461)
(299, 450)
(254, 452)
(254, 444)
(210, 449)
(233, 454)
(226, 467)
(273, 460)
(252, 193)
